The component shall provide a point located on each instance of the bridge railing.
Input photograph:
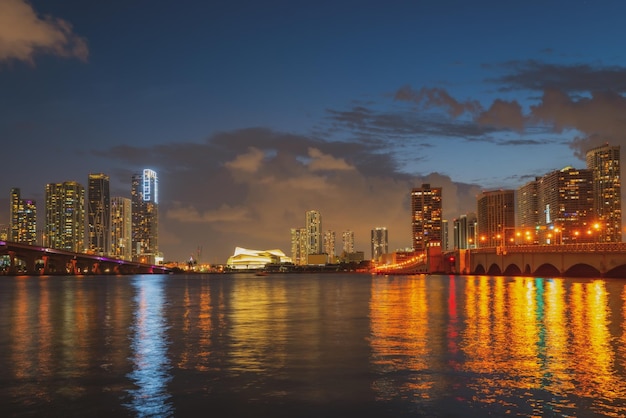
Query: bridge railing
(557, 248)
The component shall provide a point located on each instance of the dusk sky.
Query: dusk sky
(253, 112)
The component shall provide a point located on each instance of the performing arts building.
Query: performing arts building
(246, 259)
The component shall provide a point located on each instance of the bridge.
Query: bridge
(565, 260)
(33, 260)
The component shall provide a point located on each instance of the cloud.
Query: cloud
(503, 114)
(539, 76)
(428, 98)
(325, 162)
(24, 34)
(249, 162)
(224, 213)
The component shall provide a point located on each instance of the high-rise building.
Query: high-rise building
(426, 214)
(121, 232)
(348, 241)
(329, 244)
(65, 216)
(496, 218)
(565, 207)
(314, 232)
(298, 246)
(465, 232)
(23, 219)
(145, 216)
(380, 242)
(98, 215)
(604, 161)
(527, 207)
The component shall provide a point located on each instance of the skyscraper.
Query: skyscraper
(23, 219)
(65, 216)
(298, 246)
(329, 244)
(426, 212)
(565, 199)
(604, 161)
(348, 241)
(380, 242)
(145, 216)
(314, 232)
(121, 233)
(98, 215)
(496, 218)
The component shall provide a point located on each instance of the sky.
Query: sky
(254, 112)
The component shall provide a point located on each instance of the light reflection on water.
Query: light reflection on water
(151, 372)
(312, 345)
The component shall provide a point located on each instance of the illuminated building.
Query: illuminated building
(23, 219)
(246, 259)
(380, 242)
(496, 218)
(565, 206)
(65, 216)
(464, 235)
(98, 215)
(329, 244)
(145, 216)
(298, 245)
(604, 161)
(527, 206)
(426, 212)
(348, 241)
(314, 232)
(121, 221)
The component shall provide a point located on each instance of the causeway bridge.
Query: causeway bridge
(606, 260)
(24, 259)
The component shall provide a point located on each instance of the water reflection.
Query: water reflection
(151, 365)
(531, 346)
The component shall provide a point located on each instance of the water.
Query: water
(327, 345)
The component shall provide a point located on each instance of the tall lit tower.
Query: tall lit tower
(426, 212)
(145, 216)
(314, 232)
(496, 218)
(23, 219)
(65, 216)
(380, 242)
(121, 233)
(604, 161)
(98, 215)
(329, 244)
(348, 241)
(298, 246)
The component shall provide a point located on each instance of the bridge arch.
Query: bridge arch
(582, 270)
(494, 270)
(512, 270)
(547, 270)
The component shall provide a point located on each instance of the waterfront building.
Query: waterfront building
(604, 162)
(145, 216)
(298, 246)
(98, 215)
(565, 207)
(23, 219)
(527, 212)
(379, 242)
(121, 232)
(314, 232)
(426, 216)
(65, 216)
(247, 259)
(348, 241)
(329, 245)
(496, 218)
(464, 235)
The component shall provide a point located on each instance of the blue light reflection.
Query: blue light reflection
(151, 365)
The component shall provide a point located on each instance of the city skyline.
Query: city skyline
(252, 117)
